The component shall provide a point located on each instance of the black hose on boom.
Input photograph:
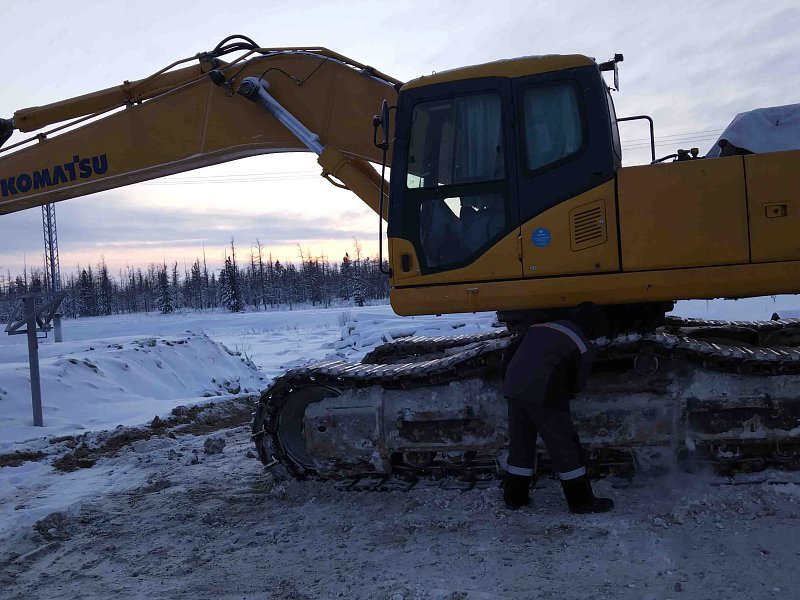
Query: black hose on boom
(225, 48)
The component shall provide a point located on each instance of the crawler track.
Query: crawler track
(710, 428)
(774, 325)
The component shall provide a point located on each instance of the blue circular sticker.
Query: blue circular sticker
(541, 237)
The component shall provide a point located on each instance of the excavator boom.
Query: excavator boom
(178, 120)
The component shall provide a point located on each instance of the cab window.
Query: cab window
(452, 229)
(456, 141)
(457, 202)
(552, 124)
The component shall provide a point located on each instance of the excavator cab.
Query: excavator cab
(480, 151)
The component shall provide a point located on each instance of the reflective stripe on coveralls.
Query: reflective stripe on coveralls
(525, 472)
(566, 331)
(574, 474)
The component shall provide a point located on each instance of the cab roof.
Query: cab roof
(513, 67)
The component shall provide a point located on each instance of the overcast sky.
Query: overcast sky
(691, 66)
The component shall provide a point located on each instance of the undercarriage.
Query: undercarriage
(691, 392)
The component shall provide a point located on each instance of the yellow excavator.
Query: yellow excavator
(507, 194)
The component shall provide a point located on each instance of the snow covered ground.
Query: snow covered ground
(161, 518)
(105, 382)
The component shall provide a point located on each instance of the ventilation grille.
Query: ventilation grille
(588, 225)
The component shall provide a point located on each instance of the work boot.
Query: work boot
(581, 499)
(515, 490)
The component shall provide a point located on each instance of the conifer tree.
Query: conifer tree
(230, 284)
(87, 301)
(105, 289)
(175, 287)
(164, 299)
(346, 279)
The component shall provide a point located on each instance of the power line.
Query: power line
(237, 178)
(260, 174)
(672, 139)
(672, 143)
(676, 144)
(686, 138)
(684, 134)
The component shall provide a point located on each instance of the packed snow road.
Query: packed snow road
(180, 507)
(182, 523)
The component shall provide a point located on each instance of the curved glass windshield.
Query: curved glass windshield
(456, 141)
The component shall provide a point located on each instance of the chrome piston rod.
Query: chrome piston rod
(255, 89)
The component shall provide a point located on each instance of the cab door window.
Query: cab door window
(457, 140)
(454, 228)
(456, 179)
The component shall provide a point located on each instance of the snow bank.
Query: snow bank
(363, 334)
(116, 381)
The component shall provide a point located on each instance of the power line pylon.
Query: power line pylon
(52, 266)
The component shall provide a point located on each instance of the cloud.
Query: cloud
(113, 225)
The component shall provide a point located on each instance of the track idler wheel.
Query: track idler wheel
(646, 364)
(788, 460)
(418, 460)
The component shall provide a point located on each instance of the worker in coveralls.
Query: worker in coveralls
(544, 366)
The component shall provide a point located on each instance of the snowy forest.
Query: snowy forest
(257, 283)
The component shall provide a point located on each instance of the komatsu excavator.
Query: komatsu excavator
(507, 194)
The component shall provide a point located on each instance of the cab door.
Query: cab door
(568, 156)
(454, 210)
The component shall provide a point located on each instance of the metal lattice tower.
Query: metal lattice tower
(52, 266)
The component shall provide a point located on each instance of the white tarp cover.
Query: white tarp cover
(771, 129)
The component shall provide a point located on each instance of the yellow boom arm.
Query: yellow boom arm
(178, 120)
